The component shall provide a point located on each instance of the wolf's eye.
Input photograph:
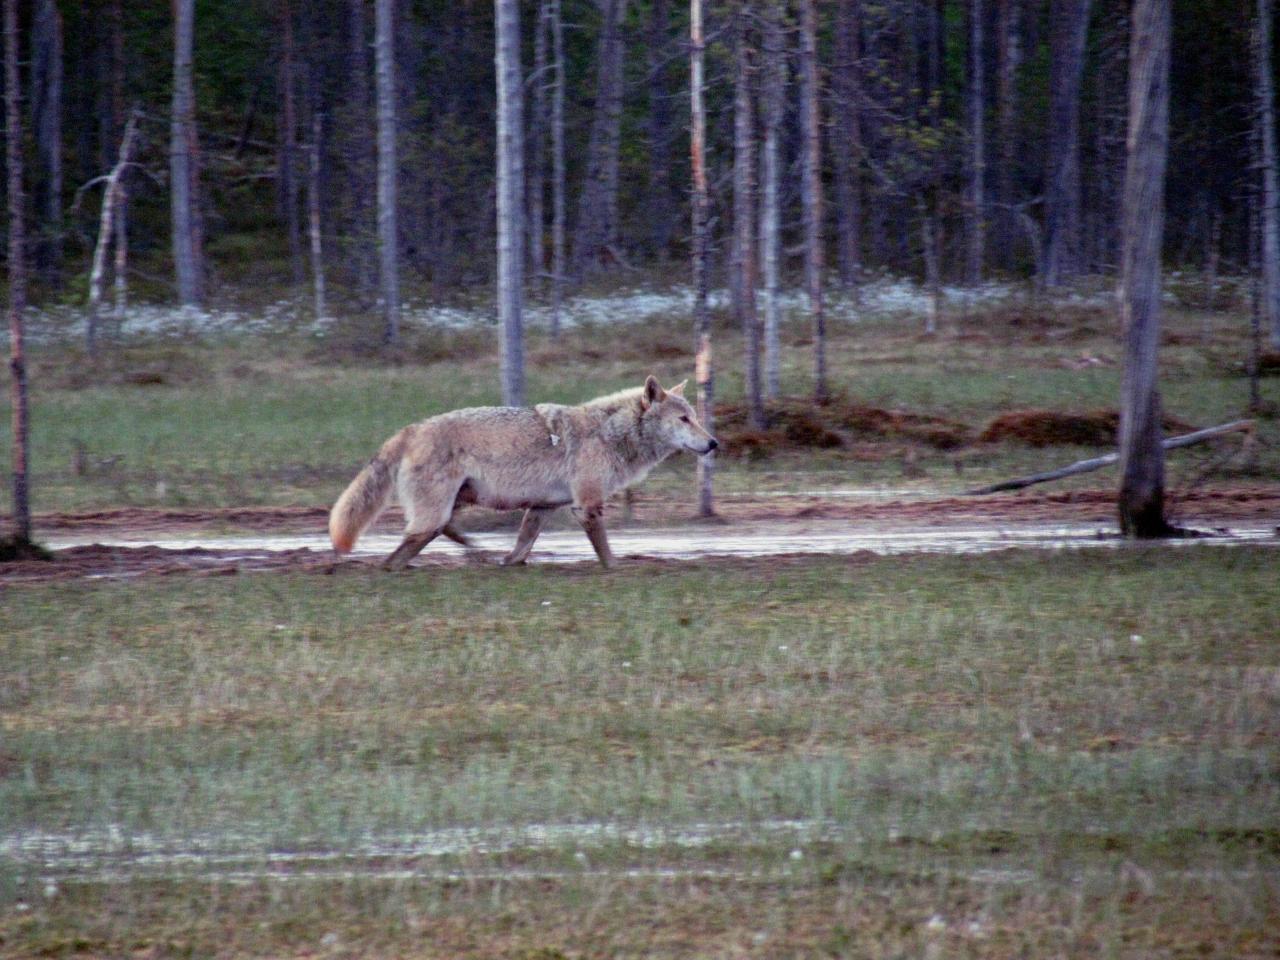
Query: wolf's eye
(684, 419)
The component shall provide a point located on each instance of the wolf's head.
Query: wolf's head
(668, 414)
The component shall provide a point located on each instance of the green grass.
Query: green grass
(287, 419)
(1106, 722)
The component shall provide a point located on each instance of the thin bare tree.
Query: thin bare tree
(704, 372)
(775, 69)
(1008, 60)
(975, 252)
(313, 216)
(744, 233)
(46, 114)
(1265, 137)
(287, 164)
(1069, 23)
(17, 275)
(537, 143)
(112, 207)
(812, 183)
(510, 199)
(557, 168)
(1141, 501)
(388, 244)
(184, 162)
(846, 108)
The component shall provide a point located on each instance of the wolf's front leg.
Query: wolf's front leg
(592, 519)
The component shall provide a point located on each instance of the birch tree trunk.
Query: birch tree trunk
(1265, 124)
(510, 200)
(17, 275)
(183, 176)
(557, 170)
(1008, 59)
(46, 112)
(813, 193)
(111, 207)
(388, 244)
(1069, 28)
(313, 218)
(1141, 502)
(597, 233)
(976, 212)
(704, 373)
(744, 233)
(775, 66)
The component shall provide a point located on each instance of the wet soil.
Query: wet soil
(132, 541)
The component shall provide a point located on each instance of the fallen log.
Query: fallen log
(1097, 463)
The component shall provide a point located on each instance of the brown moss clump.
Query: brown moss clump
(796, 424)
(1046, 428)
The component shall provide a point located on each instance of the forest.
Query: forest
(959, 138)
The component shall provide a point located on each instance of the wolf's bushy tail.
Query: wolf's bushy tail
(363, 500)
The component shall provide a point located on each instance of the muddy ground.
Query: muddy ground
(130, 534)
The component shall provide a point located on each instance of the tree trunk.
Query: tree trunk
(1069, 28)
(744, 233)
(847, 109)
(1008, 59)
(661, 206)
(813, 193)
(775, 66)
(976, 211)
(111, 207)
(537, 144)
(17, 268)
(1141, 502)
(510, 200)
(46, 112)
(388, 244)
(1265, 122)
(704, 373)
(287, 166)
(360, 152)
(557, 170)
(313, 217)
(183, 162)
(597, 232)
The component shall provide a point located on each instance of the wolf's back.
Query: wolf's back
(362, 501)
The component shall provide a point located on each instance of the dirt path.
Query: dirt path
(132, 541)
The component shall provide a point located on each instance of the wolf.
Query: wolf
(516, 458)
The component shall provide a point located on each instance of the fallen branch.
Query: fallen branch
(1097, 463)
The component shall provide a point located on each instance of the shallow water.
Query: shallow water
(747, 540)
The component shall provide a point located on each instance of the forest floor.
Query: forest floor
(862, 714)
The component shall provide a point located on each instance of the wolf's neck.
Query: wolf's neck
(639, 450)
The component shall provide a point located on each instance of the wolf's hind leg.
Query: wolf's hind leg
(592, 520)
(409, 548)
(530, 527)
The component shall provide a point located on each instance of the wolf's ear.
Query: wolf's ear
(652, 393)
(678, 389)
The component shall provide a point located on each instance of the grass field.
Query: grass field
(1020, 754)
(1012, 755)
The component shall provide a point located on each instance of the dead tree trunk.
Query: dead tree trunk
(847, 109)
(388, 244)
(1069, 27)
(813, 193)
(111, 207)
(1141, 502)
(1265, 137)
(183, 160)
(775, 66)
(46, 113)
(510, 200)
(557, 169)
(976, 210)
(1008, 59)
(704, 373)
(287, 165)
(313, 217)
(744, 233)
(597, 232)
(17, 275)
